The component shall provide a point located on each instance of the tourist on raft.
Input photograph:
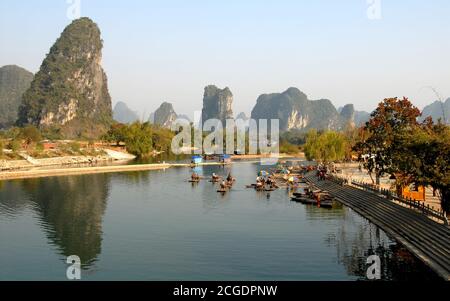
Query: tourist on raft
(259, 182)
(223, 185)
(230, 178)
(195, 177)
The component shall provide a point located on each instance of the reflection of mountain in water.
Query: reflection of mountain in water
(356, 239)
(12, 200)
(70, 211)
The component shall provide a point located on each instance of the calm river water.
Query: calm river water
(156, 226)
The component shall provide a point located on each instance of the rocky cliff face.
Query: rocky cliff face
(217, 104)
(347, 116)
(123, 114)
(14, 81)
(70, 90)
(165, 115)
(295, 111)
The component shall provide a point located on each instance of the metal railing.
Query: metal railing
(390, 195)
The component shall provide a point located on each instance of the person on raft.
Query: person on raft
(223, 185)
(195, 177)
(215, 177)
(271, 183)
(230, 178)
(259, 182)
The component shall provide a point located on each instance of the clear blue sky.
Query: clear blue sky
(158, 51)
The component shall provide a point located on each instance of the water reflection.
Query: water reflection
(70, 210)
(134, 177)
(160, 227)
(355, 239)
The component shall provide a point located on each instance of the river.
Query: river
(154, 225)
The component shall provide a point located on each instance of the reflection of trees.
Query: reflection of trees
(355, 239)
(71, 211)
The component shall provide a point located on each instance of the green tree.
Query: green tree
(162, 139)
(117, 133)
(75, 147)
(30, 134)
(325, 147)
(424, 158)
(15, 145)
(139, 139)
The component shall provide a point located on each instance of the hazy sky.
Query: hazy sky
(158, 51)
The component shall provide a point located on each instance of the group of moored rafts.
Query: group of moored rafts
(278, 178)
(224, 184)
(317, 197)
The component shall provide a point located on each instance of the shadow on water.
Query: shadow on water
(70, 211)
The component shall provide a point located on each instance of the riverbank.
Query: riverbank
(70, 171)
(17, 165)
(22, 169)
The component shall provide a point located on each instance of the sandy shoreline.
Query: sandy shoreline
(69, 171)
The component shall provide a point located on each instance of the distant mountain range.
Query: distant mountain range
(296, 112)
(360, 117)
(70, 94)
(164, 116)
(437, 110)
(123, 114)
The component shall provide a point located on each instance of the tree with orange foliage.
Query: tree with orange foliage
(391, 121)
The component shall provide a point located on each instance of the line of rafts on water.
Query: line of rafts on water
(282, 177)
(225, 184)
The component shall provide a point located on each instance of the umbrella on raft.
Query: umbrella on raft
(293, 179)
(263, 173)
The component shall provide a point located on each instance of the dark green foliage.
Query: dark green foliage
(30, 134)
(117, 133)
(14, 81)
(295, 137)
(75, 147)
(423, 158)
(14, 145)
(141, 138)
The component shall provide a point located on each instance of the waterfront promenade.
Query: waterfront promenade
(427, 239)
